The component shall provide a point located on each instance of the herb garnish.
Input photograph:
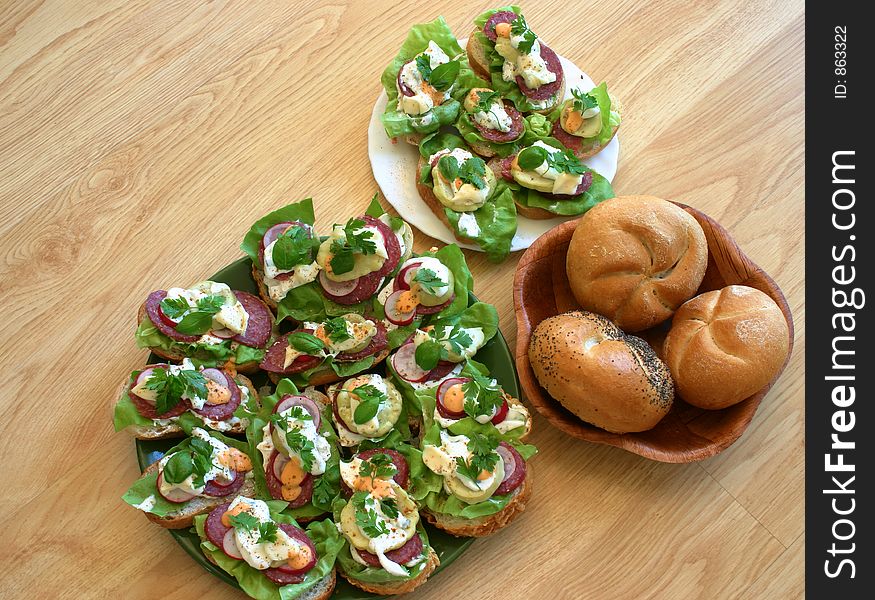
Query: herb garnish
(336, 329)
(520, 27)
(356, 242)
(429, 281)
(583, 101)
(483, 456)
(195, 320)
(170, 387)
(368, 520)
(389, 506)
(305, 342)
(369, 403)
(325, 487)
(472, 170)
(378, 466)
(196, 461)
(442, 76)
(292, 248)
(482, 396)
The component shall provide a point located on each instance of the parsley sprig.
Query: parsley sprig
(195, 320)
(196, 460)
(336, 329)
(483, 456)
(520, 27)
(367, 519)
(293, 248)
(435, 349)
(267, 530)
(326, 487)
(170, 387)
(297, 442)
(358, 241)
(472, 170)
(482, 396)
(566, 162)
(429, 281)
(378, 466)
(583, 101)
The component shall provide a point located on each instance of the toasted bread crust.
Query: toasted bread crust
(175, 357)
(488, 525)
(435, 206)
(258, 276)
(323, 589)
(326, 375)
(184, 517)
(399, 587)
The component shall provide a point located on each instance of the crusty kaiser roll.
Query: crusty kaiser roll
(636, 259)
(605, 377)
(725, 345)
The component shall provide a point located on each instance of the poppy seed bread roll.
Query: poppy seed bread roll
(603, 376)
(726, 345)
(635, 260)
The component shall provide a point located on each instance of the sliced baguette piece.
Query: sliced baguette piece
(175, 356)
(200, 505)
(326, 375)
(399, 587)
(435, 206)
(157, 432)
(323, 589)
(483, 526)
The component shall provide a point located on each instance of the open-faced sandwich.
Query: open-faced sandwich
(586, 122)
(486, 480)
(266, 551)
(502, 49)
(209, 323)
(421, 82)
(366, 407)
(198, 474)
(388, 550)
(548, 180)
(464, 194)
(164, 400)
(295, 451)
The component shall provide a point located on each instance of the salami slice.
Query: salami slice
(220, 412)
(218, 491)
(442, 369)
(503, 167)
(153, 310)
(402, 474)
(393, 248)
(275, 486)
(367, 286)
(377, 344)
(548, 90)
(275, 358)
(213, 526)
(517, 127)
(286, 575)
(147, 409)
(260, 322)
(572, 142)
(502, 16)
(421, 309)
(412, 549)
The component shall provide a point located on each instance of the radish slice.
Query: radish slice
(501, 413)
(393, 315)
(406, 275)
(216, 376)
(442, 391)
(277, 230)
(142, 378)
(337, 288)
(175, 495)
(279, 463)
(509, 462)
(514, 469)
(229, 545)
(404, 363)
(309, 405)
(165, 319)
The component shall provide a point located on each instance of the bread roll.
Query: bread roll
(605, 377)
(726, 345)
(636, 259)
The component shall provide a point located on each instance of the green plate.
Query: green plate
(495, 355)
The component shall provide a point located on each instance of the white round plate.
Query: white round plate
(394, 167)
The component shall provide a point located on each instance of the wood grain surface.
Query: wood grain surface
(140, 138)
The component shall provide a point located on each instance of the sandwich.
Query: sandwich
(267, 552)
(207, 322)
(547, 180)
(503, 50)
(366, 407)
(192, 478)
(464, 194)
(421, 82)
(294, 450)
(162, 400)
(586, 122)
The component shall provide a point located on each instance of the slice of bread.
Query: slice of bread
(483, 526)
(157, 432)
(398, 587)
(184, 517)
(176, 355)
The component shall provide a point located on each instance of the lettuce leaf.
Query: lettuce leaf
(351, 569)
(254, 434)
(479, 314)
(451, 256)
(396, 122)
(207, 355)
(146, 487)
(298, 211)
(302, 303)
(325, 538)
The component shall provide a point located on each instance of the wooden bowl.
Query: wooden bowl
(686, 433)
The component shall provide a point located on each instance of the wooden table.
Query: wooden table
(139, 140)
